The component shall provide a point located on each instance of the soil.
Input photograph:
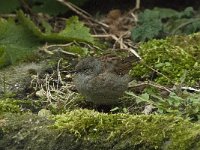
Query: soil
(104, 6)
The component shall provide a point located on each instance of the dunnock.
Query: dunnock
(102, 80)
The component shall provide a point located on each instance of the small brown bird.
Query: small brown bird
(102, 80)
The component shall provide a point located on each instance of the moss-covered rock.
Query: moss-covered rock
(175, 58)
(86, 129)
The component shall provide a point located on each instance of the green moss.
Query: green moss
(86, 129)
(8, 106)
(176, 58)
(141, 131)
(18, 106)
(20, 130)
(4, 57)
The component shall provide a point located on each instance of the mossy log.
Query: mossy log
(87, 129)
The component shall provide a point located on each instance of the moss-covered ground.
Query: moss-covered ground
(87, 129)
(171, 61)
(174, 60)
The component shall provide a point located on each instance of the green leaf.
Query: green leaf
(145, 96)
(76, 30)
(160, 22)
(16, 42)
(8, 6)
(82, 51)
(51, 7)
(142, 98)
(147, 31)
(159, 65)
(114, 109)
